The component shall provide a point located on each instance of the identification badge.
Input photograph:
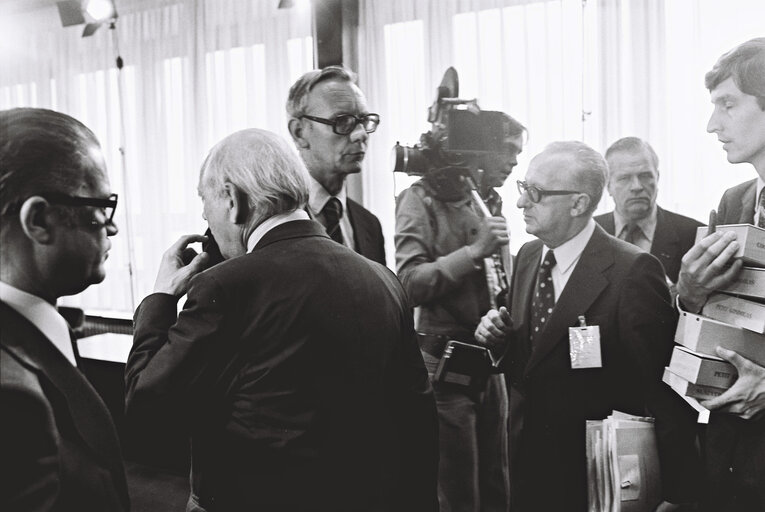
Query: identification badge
(584, 345)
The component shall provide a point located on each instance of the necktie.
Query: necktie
(632, 231)
(761, 210)
(75, 348)
(333, 212)
(543, 301)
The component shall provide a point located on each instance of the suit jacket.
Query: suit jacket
(621, 289)
(298, 371)
(59, 446)
(735, 447)
(367, 232)
(675, 234)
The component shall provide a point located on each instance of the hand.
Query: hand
(492, 328)
(174, 276)
(491, 236)
(704, 269)
(746, 397)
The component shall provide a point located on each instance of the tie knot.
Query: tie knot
(333, 208)
(549, 260)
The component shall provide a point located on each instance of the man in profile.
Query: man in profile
(294, 361)
(735, 446)
(59, 446)
(330, 124)
(575, 273)
(633, 177)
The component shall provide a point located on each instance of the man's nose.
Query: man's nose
(713, 125)
(359, 134)
(111, 229)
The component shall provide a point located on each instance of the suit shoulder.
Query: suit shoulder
(603, 217)
(682, 221)
(17, 374)
(360, 211)
(740, 188)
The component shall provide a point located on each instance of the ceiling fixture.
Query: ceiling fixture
(93, 13)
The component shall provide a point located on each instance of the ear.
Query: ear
(236, 203)
(581, 205)
(296, 130)
(35, 220)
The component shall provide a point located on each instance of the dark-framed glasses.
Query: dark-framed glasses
(344, 124)
(536, 194)
(108, 205)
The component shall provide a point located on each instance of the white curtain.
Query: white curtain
(194, 71)
(594, 71)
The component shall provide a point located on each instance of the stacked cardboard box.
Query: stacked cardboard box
(733, 318)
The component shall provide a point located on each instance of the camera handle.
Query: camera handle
(493, 265)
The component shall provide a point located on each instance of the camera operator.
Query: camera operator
(441, 241)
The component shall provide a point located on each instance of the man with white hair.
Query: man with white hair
(294, 361)
(576, 274)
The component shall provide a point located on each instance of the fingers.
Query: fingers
(740, 362)
(178, 247)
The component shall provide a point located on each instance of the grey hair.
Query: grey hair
(591, 168)
(298, 95)
(633, 145)
(263, 168)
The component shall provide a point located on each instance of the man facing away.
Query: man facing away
(442, 239)
(735, 446)
(330, 124)
(294, 361)
(576, 273)
(633, 176)
(59, 446)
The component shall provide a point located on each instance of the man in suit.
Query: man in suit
(330, 123)
(442, 240)
(735, 446)
(633, 175)
(59, 445)
(294, 362)
(576, 272)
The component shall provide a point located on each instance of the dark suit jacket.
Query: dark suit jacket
(299, 372)
(621, 289)
(367, 232)
(59, 446)
(735, 447)
(674, 236)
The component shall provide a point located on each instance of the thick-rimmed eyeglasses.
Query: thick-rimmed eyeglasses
(108, 205)
(536, 194)
(346, 123)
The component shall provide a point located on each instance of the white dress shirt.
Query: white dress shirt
(270, 223)
(318, 197)
(42, 315)
(646, 229)
(567, 256)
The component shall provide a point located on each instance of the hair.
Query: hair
(591, 168)
(264, 170)
(746, 65)
(633, 145)
(298, 95)
(43, 151)
(515, 128)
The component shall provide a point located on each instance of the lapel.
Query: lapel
(608, 223)
(523, 287)
(362, 233)
(666, 241)
(583, 287)
(746, 215)
(292, 229)
(89, 414)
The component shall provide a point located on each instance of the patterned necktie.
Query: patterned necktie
(543, 303)
(333, 212)
(761, 210)
(632, 231)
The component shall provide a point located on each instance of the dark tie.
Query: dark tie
(761, 210)
(75, 348)
(333, 212)
(632, 231)
(544, 297)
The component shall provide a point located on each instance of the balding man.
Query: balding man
(576, 272)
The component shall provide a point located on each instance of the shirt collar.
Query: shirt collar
(647, 224)
(760, 186)
(569, 252)
(41, 314)
(318, 197)
(270, 223)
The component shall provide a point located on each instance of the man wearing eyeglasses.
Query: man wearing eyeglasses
(59, 449)
(442, 240)
(577, 275)
(330, 125)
